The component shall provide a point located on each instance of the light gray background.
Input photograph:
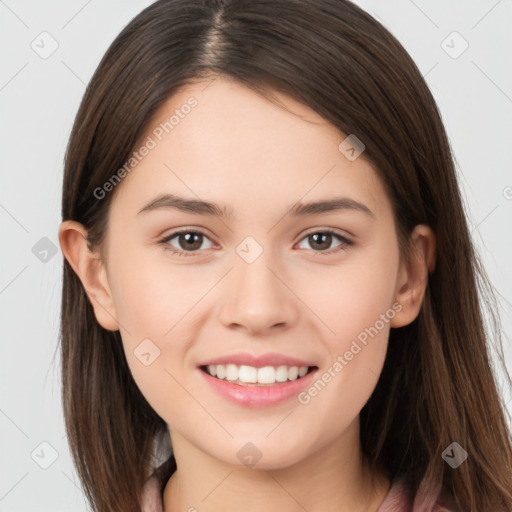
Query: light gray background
(39, 98)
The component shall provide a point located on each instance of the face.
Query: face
(270, 283)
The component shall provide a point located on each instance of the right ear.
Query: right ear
(91, 271)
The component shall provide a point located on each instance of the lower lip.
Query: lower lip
(258, 396)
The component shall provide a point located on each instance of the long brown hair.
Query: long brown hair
(437, 385)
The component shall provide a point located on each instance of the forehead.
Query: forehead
(224, 142)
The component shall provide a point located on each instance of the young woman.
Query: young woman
(268, 268)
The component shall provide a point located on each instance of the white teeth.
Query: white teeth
(252, 375)
(247, 374)
(282, 373)
(231, 372)
(266, 375)
(221, 371)
(293, 372)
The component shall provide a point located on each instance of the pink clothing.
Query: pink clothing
(397, 500)
(152, 500)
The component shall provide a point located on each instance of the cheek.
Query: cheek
(355, 303)
(352, 296)
(153, 294)
(155, 301)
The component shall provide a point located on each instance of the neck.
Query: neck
(336, 477)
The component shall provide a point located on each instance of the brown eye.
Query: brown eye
(187, 241)
(190, 241)
(321, 241)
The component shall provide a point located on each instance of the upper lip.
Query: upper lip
(268, 359)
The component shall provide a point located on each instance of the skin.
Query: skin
(237, 148)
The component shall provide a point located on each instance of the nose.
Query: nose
(257, 297)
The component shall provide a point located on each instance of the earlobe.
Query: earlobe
(88, 266)
(412, 279)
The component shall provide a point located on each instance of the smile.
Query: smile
(245, 375)
(256, 387)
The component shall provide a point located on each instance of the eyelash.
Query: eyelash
(345, 242)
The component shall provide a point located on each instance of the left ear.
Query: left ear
(412, 277)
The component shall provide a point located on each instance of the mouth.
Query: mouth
(245, 375)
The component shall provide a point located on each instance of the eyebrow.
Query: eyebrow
(199, 207)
